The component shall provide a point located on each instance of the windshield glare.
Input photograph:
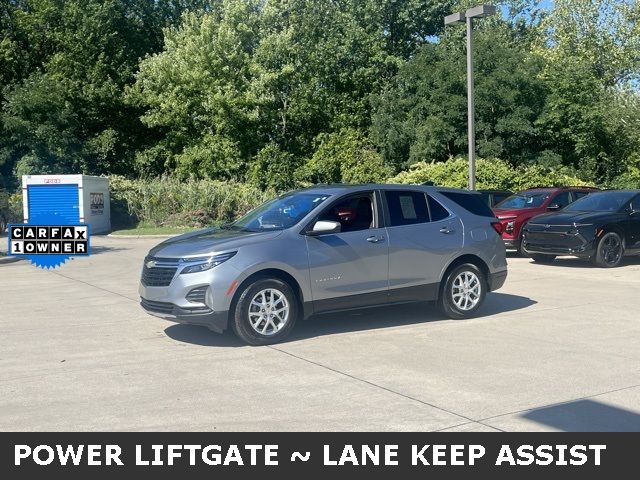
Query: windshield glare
(279, 213)
(524, 200)
(600, 202)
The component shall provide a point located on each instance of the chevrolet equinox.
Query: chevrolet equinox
(329, 248)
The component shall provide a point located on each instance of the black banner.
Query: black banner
(236, 455)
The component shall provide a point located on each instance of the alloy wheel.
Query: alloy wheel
(466, 290)
(611, 249)
(269, 311)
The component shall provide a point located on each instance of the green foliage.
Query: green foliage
(346, 157)
(273, 168)
(10, 209)
(423, 112)
(195, 92)
(173, 202)
(591, 57)
(490, 173)
(289, 92)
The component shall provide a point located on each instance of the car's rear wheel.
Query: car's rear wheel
(463, 292)
(265, 312)
(542, 258)
(609, 251)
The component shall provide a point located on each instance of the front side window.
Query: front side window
(279, 213)
(353, 213)
(524, 200)
(406, 208)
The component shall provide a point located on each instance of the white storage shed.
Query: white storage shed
(72, 198)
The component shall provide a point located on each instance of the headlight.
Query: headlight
(202, 264)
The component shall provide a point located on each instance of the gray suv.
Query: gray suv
(328, 248)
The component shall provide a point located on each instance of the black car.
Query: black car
(603, 226)
(493, 197)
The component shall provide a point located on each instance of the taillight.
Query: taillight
(497, 226)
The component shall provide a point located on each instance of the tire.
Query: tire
(247, 313)
(609, 251)
(521, 251)
(452, 301)
(542, 258)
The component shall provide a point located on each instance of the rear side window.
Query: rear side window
(471, 202)
(406, 208)
(438, 212)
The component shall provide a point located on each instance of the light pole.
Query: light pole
(460, 17)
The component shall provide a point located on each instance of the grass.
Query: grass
(147, 230)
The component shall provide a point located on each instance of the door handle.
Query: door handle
(374, 239)
(446, 230)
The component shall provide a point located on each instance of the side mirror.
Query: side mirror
(324, 227)
(554, 206)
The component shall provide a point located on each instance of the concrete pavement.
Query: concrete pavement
(556, 349)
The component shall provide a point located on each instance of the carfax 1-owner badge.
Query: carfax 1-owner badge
(48, 245)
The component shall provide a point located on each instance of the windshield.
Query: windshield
(524, 200)
(279, 213)
(601, 202)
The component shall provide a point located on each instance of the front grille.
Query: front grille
(197, 295)
(153, 306)
(161, 274)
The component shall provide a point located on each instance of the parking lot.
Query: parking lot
(558, 348)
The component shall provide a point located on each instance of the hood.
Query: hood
(206, 242)
(515, 212)
(570, 218)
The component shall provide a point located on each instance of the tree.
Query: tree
(422, 114)
(63, 69)
(591, 52)
(196, 93)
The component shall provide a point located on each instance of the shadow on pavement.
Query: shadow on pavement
(353, 321)
(97, 250)
(574, 262)
(586, 416)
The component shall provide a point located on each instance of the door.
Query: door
(423, 238)
(350, 269)
(54, 203)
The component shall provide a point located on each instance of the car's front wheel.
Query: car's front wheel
(609, 251)
(463, 292)
(265, 313)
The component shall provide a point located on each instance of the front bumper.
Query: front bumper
(203, 316)
(558, 242)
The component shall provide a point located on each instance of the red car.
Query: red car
(514, 212)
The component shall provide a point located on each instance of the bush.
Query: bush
(489, 174)
(168, 201)
(10, 209)
(273, 168)
(345, 156)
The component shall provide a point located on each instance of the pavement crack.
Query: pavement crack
(375, 385)
(95, 286)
